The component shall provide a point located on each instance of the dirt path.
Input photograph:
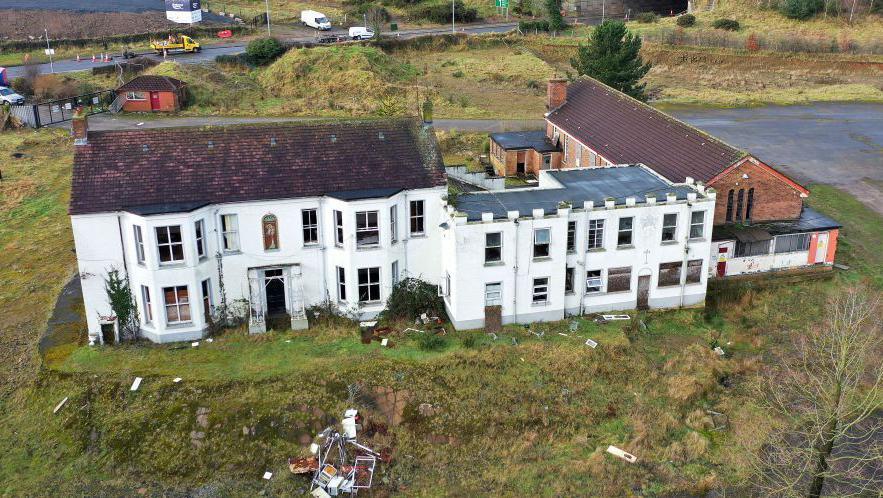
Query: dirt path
(67, 323)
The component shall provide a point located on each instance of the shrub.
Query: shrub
(457, 74)
(431, 342)
(264, 51)
(533, 26)
(441, 13)
(726, 24)
(412, 297)
(686, 20)
(470, 340)
(238, 60)
(801, 9)
(647, 17)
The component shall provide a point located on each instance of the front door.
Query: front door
(722, 262)
(107, 333)
(154, 101)
(822, 247)
(274, 286)
(643, 292)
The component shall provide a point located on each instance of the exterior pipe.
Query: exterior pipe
(686, 254)
(515, 278)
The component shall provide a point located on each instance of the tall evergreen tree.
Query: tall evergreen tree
(556, 21)
(612, 57)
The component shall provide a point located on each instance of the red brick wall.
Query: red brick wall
(556, 93)
(168, 102)
(774, 197)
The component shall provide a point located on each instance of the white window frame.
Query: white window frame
(338, 228)
(594, 285)
(341, 284)
(199, 235)
(140, 253)
(700, 225)
(136, 96)
(179, 304)
(540, 289)
(493, 294)
(673, 229)
(570, 274)
(369, 284)
(630, 231)
(205, 289)
(394, 272)
(597, 237)
(571, 236)
(364, 228)
(170, 245)
(487, 245)
(418, 218)
(147, 305)
(230, 232)
(309, 219)
(537, 244)
(393, 224)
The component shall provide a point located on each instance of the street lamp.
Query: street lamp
(267, 3)
(49, 51)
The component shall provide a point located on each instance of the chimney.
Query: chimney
(556, 93)
(427, 112)
(80, 127)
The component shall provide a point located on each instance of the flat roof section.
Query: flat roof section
(577, 187)
(519, 140)
(810, 221)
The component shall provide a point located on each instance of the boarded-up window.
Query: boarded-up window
(694, 271)
(669, 274)
(619, 279)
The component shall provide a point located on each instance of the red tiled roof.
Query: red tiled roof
(626, 131)
(150, 83)
(120, 170)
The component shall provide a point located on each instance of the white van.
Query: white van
(361, 33)
(315, 19)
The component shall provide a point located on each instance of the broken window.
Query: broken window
(749, 206)
(624, 238)
(338, 228)
(493, 247)
(493, 294)
(697, 224)
(596, 234)
(393, 224)
(568, 279)
(619, 279)
(146, 304)
(541, 290)
(136, 96)
(367, 229)
(417, 220)
(794, 242)
(669, 274)
(394, 272)
(270, 229)
(170, 244)
(199, 230)
(369, 285)
(694, 271)
(341, 284)
(669, 227)
(206, 288)
(759, 248)
(310, 220)
(177, 301)
(230, 232)
(139, 244)
(542, 238)
(593, 281)
(571, 236)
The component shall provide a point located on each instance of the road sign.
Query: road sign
(49, 51)
(503, 4)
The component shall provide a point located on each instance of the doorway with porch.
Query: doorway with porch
(277, 316)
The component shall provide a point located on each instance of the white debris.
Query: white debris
(176, 380)
(409, 329)
(287, 340)
(592, 344)
(493, 335)
(135, 384)
(268, 475)
(209, 340)
(616, 317)
(628, 457)
(139, 124)
(719, 351)
(562, 333)
(59, 405)
(384, 342)
(194, 344)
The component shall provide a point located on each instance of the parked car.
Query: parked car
(8, 96)
(361, 33)
(315, 19)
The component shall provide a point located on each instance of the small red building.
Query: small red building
(149, 93)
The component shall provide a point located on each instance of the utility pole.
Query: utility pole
(453, 15)
(49, 51)
(267, 3)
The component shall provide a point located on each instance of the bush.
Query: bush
(533, 26)
(412, 297)
(726, 24)
(457, 74)
(431, 342)
(686, 20)
(239, 60)
(801, 9)
(263, 51)
(441, 13)
(647, 17)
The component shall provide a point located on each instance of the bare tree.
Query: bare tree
(827, 393)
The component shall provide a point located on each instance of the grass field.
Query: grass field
(517, 409)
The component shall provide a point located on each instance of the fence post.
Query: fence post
(36, 110)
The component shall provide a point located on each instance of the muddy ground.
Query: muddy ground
(19, 24)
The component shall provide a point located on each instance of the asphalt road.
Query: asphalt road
(208, 54)
(834, 144)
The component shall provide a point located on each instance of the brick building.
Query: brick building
(592, 125)
(150, 93)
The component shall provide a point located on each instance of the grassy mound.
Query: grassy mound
(355, 79)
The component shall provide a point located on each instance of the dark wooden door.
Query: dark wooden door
(154, 101)
(643, 292)
(107, 333)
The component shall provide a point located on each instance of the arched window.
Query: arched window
(270, 229)
(740, 201)
(730, 206)
(749, 205)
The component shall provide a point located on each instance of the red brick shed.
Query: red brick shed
(149, 93)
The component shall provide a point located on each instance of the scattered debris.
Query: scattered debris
(493, 335)
(384, 342)
(194, 344)
(514, 342)
(135, 384)
(176, 380)
(268, 475)
(59, 405)
(139, 124)
(209, 340)
(540, 334)
(720, 420)
(610, 318)
(574, 326)
(288, 340)
(562, 333)
(719, 351)
(628, 457)
(592, 344)
(409, 329)
(522, 359)
(841, 266)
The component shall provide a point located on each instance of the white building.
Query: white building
(266, 219)
(585, 240)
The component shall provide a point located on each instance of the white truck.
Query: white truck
(361, 33)
(315, 19)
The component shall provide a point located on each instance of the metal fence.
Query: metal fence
(57, 111)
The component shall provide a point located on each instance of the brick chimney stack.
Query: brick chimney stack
(556, 93)
(80, 127)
